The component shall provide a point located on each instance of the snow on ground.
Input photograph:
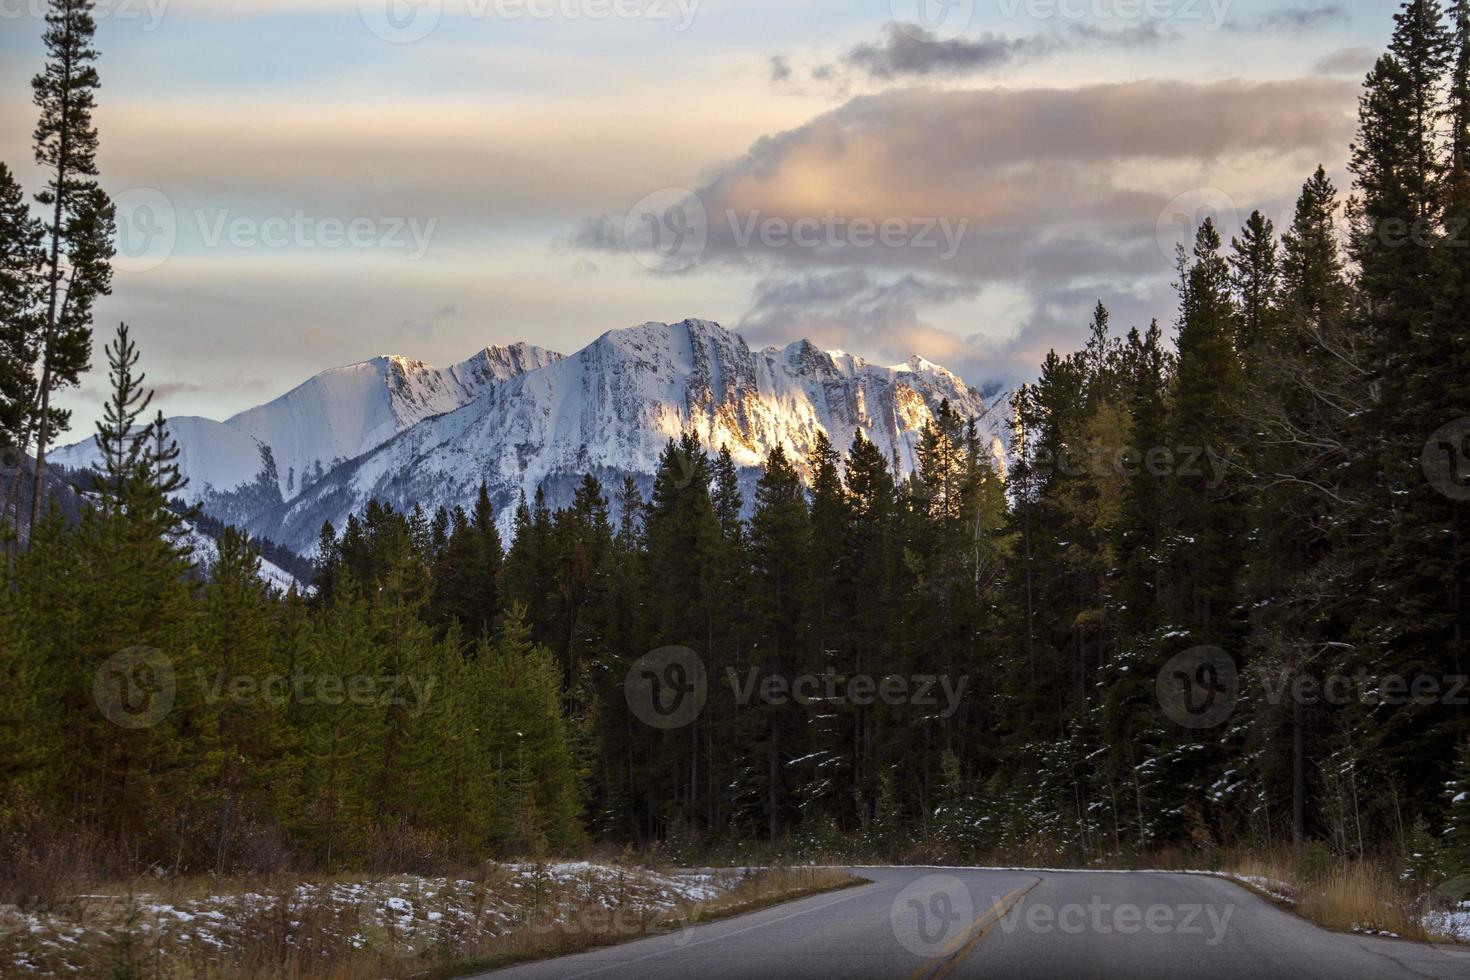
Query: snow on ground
(401, 915)
(1450, 924)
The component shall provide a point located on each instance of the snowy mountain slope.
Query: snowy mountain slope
(225, 467)
(610, 409)
(261, 457)
(342, 413)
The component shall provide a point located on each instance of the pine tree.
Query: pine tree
(683, 548)
(467, 568)
(525, 739)
(825, 767)
(242, 742)
(1208, 389)
(21, 256)
(79, 226)
(1255, 276)
(1407, 537)
(1422, 48)
(326, 566)
(108, 605)
(530, 567)
(119, 437)
(875, 556)
(774, 734)
(1303, 389)
(1454, 854)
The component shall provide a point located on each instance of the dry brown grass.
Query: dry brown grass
(354, 927)
(1351, 895)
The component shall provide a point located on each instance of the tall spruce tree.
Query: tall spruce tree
(79, 224)
(21, 257)
(775, 733)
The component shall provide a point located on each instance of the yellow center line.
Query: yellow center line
(966, 942)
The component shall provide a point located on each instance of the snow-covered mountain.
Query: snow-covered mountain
(264, 456)
(520, 417)
(610, 409)
(341, 414)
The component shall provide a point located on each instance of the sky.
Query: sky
(303, 184)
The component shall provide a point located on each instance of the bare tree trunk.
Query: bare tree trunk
(771, 793)
(1298, 776)
(43, 430)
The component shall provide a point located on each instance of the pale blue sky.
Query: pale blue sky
(318, 194)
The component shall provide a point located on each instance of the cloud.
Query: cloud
(780, 68)
(849, 307)
(1346, 61)
(1061, 196)
(169, 389)
(884, 318)
(1058, 318)
(908, 50)
(1297, 19)
(1038, 185)
(424, 326)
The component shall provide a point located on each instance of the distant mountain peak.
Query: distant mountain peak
(519, 416)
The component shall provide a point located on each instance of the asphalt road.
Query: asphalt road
(932, 923)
